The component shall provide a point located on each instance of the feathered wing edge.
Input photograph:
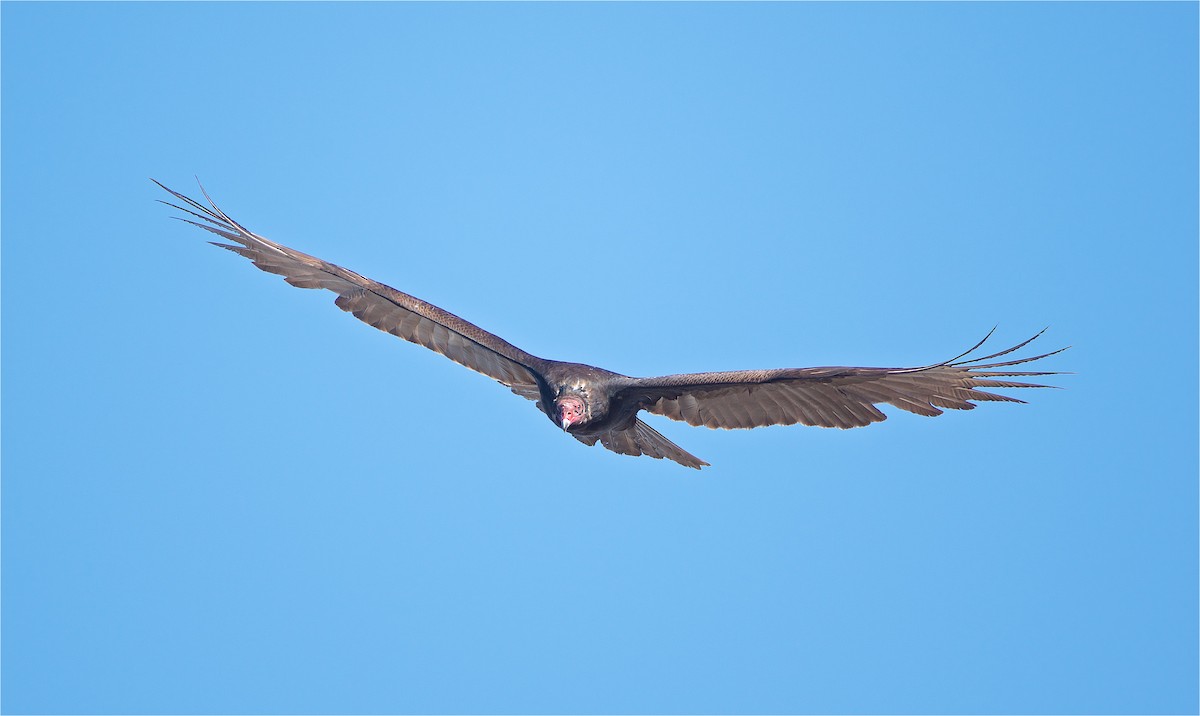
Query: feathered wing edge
(374, 303)
(840, 397)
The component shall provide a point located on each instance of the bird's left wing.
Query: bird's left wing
(374, 303)
(834, 397)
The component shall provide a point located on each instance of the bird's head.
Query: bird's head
(580, 401)
(572, 410)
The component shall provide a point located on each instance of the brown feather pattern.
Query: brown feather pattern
(641, 439)
(836, 397)
(374, 303)
(831, 397)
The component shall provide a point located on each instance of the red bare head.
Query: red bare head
(571, 411)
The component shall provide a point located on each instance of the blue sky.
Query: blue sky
(221, 494)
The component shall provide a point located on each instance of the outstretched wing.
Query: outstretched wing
(835, 397)
(373, 303)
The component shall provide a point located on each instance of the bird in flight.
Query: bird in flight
(596, 405)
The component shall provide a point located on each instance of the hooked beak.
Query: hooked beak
(566, 423)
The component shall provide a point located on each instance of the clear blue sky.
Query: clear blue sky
(222, 494)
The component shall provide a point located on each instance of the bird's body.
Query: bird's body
(596, 405)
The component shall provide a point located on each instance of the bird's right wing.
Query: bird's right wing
(374, 303)
(835, 397)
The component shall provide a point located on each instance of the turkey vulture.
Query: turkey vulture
(596, 405)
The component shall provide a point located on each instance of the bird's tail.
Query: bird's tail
(641, 439)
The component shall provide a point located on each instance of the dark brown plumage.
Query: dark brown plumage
(596, 405)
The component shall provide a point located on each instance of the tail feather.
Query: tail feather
(641, 439)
